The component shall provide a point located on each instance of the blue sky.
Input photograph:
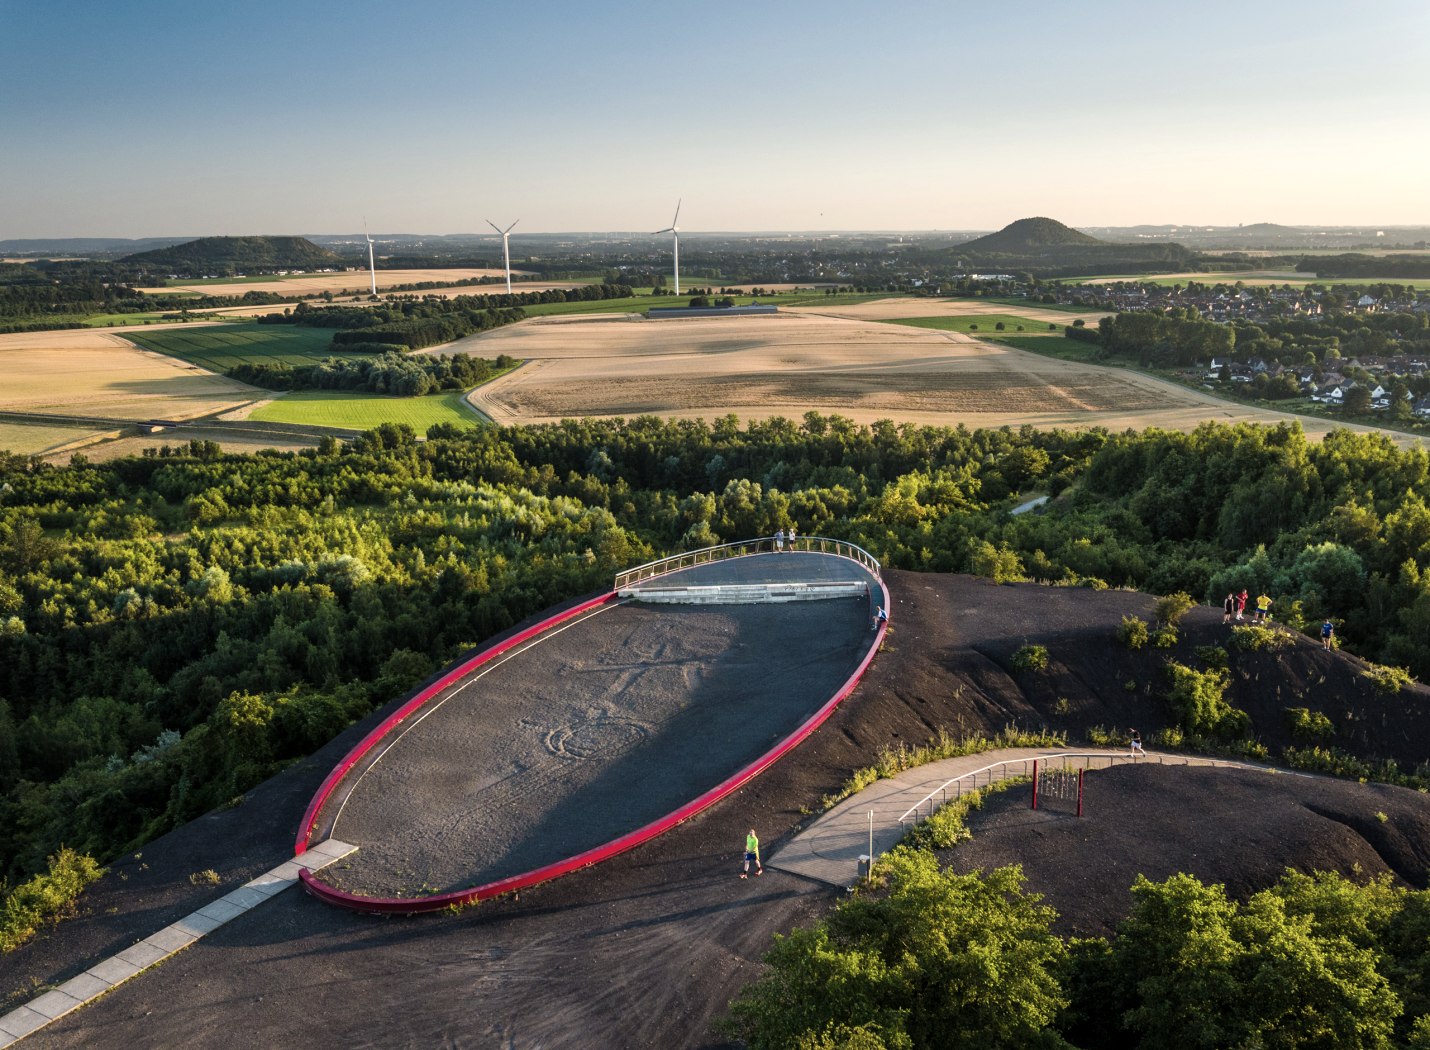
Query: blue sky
(147, 117)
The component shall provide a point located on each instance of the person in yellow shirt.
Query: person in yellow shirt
(752, 853)
(1263, 608)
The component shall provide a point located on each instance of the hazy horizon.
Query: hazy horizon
(133, 120)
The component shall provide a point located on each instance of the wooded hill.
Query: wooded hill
(223, 256)
(1049, 248)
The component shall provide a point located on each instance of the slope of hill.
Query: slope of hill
(226, 255)
(648, 949)
(1048, 248)
(1027, 235)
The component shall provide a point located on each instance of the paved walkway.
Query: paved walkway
(109, 973)
(829, 849)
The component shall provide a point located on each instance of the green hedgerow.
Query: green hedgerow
(1253, 638)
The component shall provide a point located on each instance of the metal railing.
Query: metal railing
(954, 787)
(741, 548)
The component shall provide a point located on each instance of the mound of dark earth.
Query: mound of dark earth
(647, 950)
(1240, 828)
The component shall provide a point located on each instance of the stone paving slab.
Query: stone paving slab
(106, 974)
(829, 849)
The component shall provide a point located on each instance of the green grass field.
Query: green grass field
(1067, 308)
(1054, 344)
(221, 347)
(343, 408)
(975, 324)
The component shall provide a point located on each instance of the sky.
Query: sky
(156, 118)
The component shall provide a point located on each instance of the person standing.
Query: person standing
(779, 541)
(1136, 739)
(1228, 607)
(1328, 633)
(752, 853)
(1263, 608)
(789, 536)
(1241, 605)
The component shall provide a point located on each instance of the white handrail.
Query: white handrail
(941, 792)
(741, 548)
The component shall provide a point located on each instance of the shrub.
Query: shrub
(1031, 658)
(1196, 698)
(999, 564)
(49, 895)
(1133, 632)
(1309, 726)
(1253, 638)
(947, 826)
(1164, 637)
(1173, 607)
(1213, 656)
(1388, 679)
(207, 877)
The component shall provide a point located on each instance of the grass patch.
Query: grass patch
(948, 826)
(893, 761)
(979, 324)
(1056, 345)
(1388, 679)
(221, 347)
(49, 896)
(356, 411)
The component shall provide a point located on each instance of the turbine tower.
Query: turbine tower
(371, 261)
(674, 231)
(505, 248)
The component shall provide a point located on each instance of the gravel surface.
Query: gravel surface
(594, 730)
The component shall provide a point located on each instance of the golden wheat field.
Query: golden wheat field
(787, 364)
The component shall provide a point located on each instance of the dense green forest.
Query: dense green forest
(175, 628)
(939, 959)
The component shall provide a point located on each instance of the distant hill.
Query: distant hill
(1025, 235)
(1048, 248)
(227, 255)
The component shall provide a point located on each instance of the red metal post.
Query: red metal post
(1035, 783)
(1080, 772)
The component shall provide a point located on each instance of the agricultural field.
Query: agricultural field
(790, 363)
(981, 323)
(99, 374)
(318, 283)
(221, 347)
(895, 308)
(38, 440)
(359, 411)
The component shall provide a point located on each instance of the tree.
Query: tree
(937, 959)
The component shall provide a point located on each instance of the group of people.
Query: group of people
(1233, 607)
(782, 537)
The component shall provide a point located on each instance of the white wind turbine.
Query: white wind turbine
(371, 260)
(505, 248)
(674, 231)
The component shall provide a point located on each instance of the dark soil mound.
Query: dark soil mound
(648, 949)
(1241, 828)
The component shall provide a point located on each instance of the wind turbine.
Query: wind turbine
(371, 261)
(674, 231)
(505, 248)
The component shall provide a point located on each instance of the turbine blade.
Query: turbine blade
(511, 227)
(494, 226)
(675, 220)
